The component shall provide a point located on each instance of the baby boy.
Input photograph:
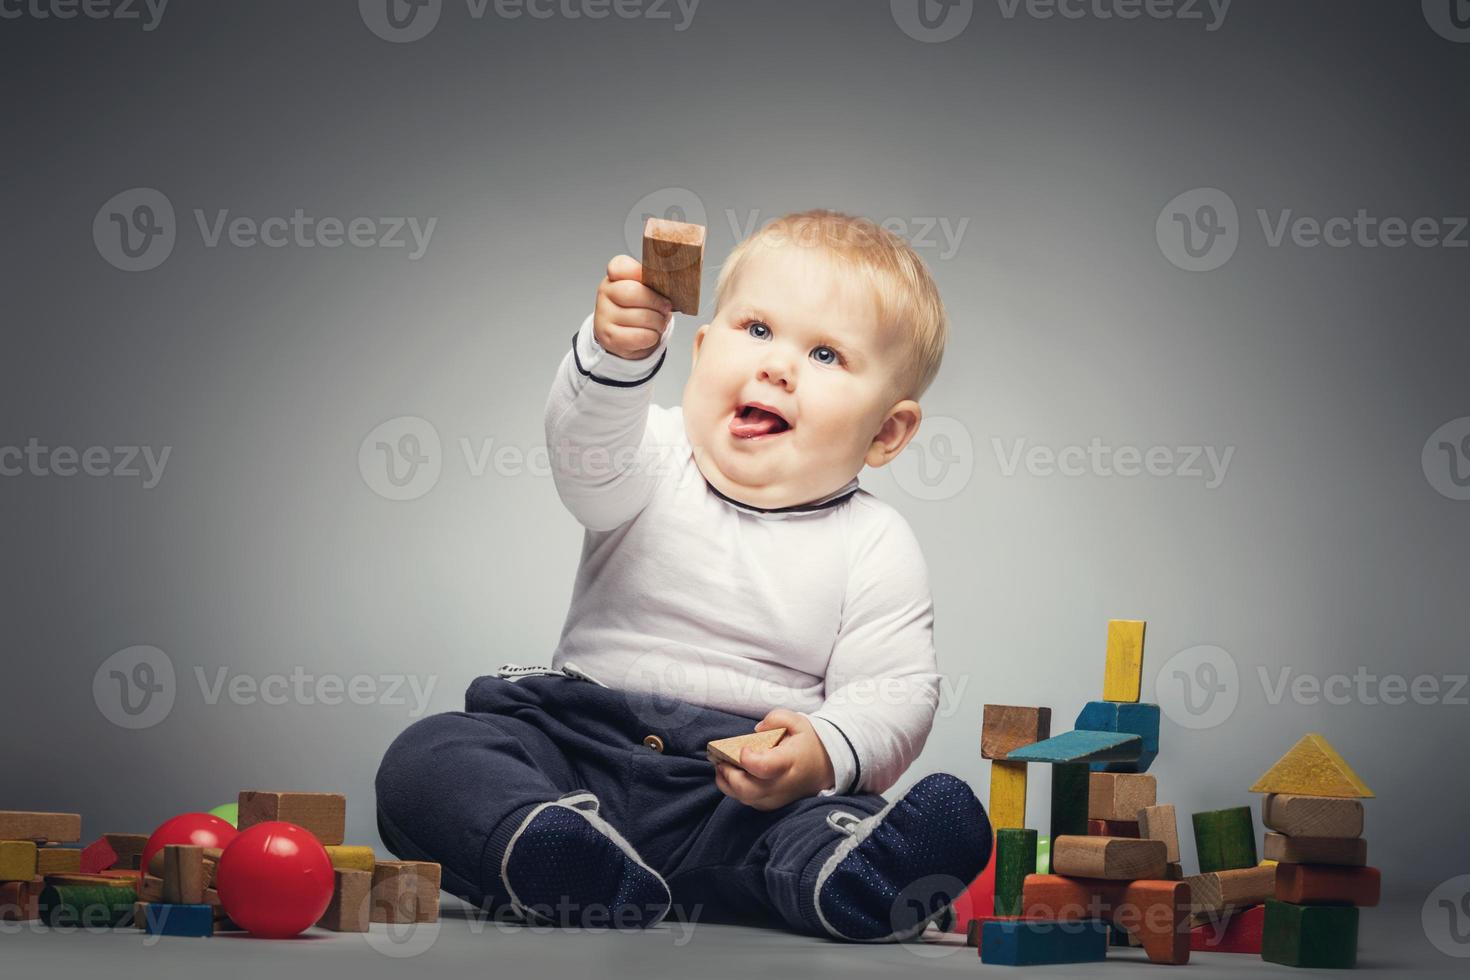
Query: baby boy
(732, 571)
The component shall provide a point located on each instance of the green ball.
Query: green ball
(1043, 855)
(228, 812)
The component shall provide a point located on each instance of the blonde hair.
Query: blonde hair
(907, 296)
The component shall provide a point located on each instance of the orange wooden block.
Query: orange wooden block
(1156, 912)
(1004, 727)
(1113, 828)
(1327, 884)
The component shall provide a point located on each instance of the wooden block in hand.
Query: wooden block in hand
(17, 860)
(58, 861)
(1007, 794)
(1350, 851)
(1119, 795)
(1225, 839)
(352, 857)
(1015, 858)
(183, 874)
(129, 849)
(1123, 675)
(1218, 891)
(1161, 823)
(324, 814)
(1312, 816)
(1114, 858)
(1323, 936)
(673, 261)
(1327, 884)
(351, 893)
(42, 828)
(1006, 726)
(729, 749)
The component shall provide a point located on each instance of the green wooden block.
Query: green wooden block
(1225, 839)
(1015, 858)
(1319, 936)
(1069, 786)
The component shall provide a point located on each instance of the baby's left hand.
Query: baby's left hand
(797, 766)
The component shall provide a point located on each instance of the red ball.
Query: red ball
(199, 829)
(274, 880)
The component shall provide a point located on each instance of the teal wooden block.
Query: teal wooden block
(163, 919)
(1225, 839)
(1324, 936)
(1034, 942)
(1126, 717)
(1076, 746)
(1070, 783)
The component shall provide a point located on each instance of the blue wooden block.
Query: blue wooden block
(164, 919)
(1133, 718)
(1080, 746)
(1034, 942)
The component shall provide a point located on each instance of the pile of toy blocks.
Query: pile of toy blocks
(38, 875)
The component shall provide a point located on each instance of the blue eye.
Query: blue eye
(750, 327)
(836, 357)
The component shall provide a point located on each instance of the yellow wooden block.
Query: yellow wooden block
(17, 860)
(1123, 676)
(1312, 768)
(1007, 794)
(352, 857)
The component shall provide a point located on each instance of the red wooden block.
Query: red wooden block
(1112, 828)
(978, 900)
(1233, 932)
(1327, 884)
(98, 856)
(1156, 912)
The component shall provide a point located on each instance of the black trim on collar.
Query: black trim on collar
(857, 775)
(577, 358)
(791, 509)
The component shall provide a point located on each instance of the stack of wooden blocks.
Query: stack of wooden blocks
(33, 867)
(1227, 895)
(1313, 811)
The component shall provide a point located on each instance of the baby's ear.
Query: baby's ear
(698, 339)
(901, 425)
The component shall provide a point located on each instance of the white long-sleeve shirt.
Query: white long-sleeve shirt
(823, 608)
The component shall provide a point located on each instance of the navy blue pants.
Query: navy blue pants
(453, 787)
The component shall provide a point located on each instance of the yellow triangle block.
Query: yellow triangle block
(1312, 768)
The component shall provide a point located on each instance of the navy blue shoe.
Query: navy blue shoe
(567, 866)
(904, 865)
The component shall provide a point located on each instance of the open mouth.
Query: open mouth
(752, 421)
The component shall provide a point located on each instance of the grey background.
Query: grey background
(1326, 549)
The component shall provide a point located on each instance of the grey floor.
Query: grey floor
(1393, 943)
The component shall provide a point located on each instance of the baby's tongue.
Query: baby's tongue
(757, 422)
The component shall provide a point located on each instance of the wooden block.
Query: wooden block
(166, 919)
(1120, 795)
(1068, 802)
(1225, 839)
(673, 261)
(728, 749)
(129, 849)
(1312, 767)
(1030, 942)
(1007, 794)
(1127, 717)
(97, 856)
(426, 876)
(1114, 858)
(1234, 932)
(1218, 891)
(394, 892)
(150, 888)
(352, 857)
(1312, 816)
(17, 860)
(1078, 746)
(41, 828)
(1156, 912)
(1327, 884)
(324, 814)
(351, 893)
(1006, 726)
(975, 928)
(58, 861)
(1174, 872)
(140, 915)
(1350, 851)
(1123, 676)
(1320, 936)
(18, 900)
(183, 874)
(1159, 822)
(1112, 828)
(108, 879)
(1015, 858)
